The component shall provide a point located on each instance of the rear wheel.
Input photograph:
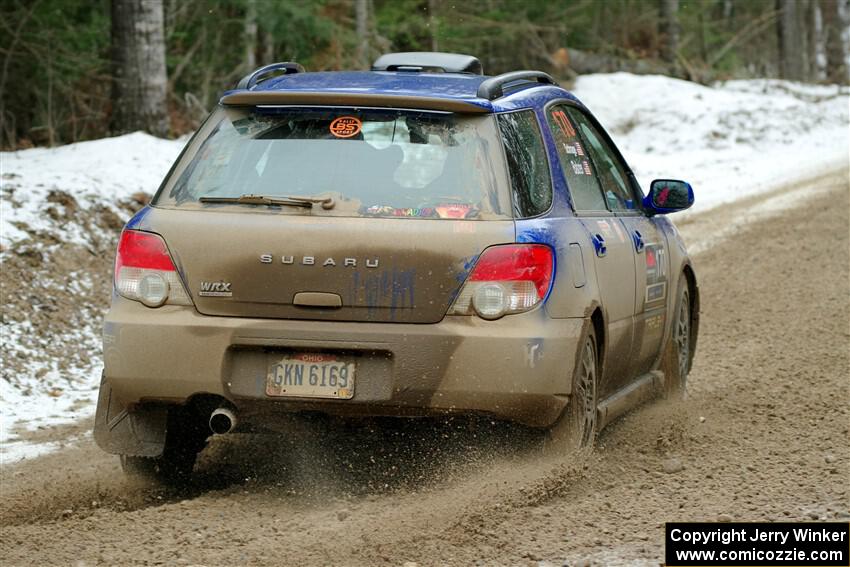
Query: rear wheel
(677, 353)
(171, 470)
(185, 437)
(577, 428)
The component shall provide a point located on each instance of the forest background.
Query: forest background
(73, 70)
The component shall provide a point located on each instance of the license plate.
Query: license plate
(311, 375)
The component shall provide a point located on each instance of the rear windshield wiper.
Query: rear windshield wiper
(292, 201)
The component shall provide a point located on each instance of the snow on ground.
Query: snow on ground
(37, 218)
(730, 141)
(101, 170)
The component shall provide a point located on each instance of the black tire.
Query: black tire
(577, 428)
(185, 437)
(676, 361)
(171, 470)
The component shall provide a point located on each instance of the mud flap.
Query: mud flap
(140, 433)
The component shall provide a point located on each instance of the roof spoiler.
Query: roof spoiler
(330, 98)
(428, 61)
(267, 72)
(494, 87)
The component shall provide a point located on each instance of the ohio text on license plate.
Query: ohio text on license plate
(311, 375)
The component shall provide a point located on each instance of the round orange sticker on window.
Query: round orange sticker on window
(346, 126)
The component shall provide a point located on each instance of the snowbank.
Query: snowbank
(60, 211)
(105, 170)
(730, 141)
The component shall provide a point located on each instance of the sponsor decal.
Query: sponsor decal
(570, 149)
(656, 292)
(414, 212)
(655, 256)
(216, 289)
(563, 123)
(581, 168)
(655, 322)
(578, 148)
(346, 126)
(401, 212)
(380, 210)
(453, 211)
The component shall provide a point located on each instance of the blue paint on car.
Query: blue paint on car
(543, 230)
(137, 222)
(449, 86)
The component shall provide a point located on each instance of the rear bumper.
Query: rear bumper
(517, 368)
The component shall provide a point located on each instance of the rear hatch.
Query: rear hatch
(416, 197)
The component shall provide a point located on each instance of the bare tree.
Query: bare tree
(815, 43)
(792, 50)
(266, 46)
(139, 80)
(836, 65)
(728, 11)
(6, 132)
(669, 25)
(250, 34)
(433, 24)
(803, 11)
(361, 15)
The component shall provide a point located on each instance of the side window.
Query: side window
(527, 163)
(611, 173)
(575, 162)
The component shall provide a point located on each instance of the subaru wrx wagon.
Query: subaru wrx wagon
(415, 240)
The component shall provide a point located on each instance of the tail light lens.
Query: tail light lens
(506, 279)
(144, 271)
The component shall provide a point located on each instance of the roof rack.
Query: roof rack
(494, 87)
(264, 73)
(428, 61)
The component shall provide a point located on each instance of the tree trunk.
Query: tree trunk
(703, 33)
(361, 14)
(814, 23)
(266, 46)
(836, 64)
(669, 30)
(792, 48)
(433, 24)
(138, 67)
(803, 11)
(728, 12)
(250, 35)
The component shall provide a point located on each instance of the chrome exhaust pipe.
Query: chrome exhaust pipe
(222, 421)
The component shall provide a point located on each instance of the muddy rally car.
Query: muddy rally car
(415, 240)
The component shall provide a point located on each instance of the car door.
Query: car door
(613, 256)
(623, 199)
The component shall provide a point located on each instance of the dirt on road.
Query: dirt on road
(763, 435)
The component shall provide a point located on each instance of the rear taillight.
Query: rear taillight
(506, 279)
(144, 271)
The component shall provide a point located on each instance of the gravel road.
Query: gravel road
(763, 435)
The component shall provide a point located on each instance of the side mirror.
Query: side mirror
(668, 196)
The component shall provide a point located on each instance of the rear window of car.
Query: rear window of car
(372, 162)
(529, 168)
